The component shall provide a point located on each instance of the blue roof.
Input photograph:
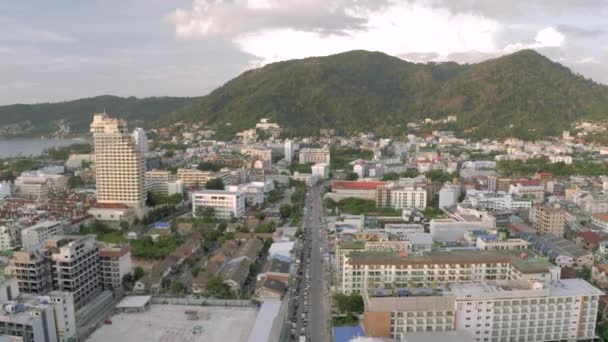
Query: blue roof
(162, 224)
(345, 334)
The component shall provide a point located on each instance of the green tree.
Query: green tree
(349, 303)
(75, 182)
(205, 213)
(177, 287)
(351, 176)
(195, 271)
(285, 210)
(124, 226)
(207, 166)
(217, 289)
(138, 273)
(215, 184)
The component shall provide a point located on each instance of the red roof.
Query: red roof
(590, 237)
(110, 206)
(356, 185)
(527, 182)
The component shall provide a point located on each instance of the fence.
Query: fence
(202, 301)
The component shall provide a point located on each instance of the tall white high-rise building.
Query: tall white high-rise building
(141, 139)
(289, 149)
(119, 164)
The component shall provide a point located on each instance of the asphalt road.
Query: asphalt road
(313, 314)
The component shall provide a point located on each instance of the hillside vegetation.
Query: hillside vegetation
(523, 94)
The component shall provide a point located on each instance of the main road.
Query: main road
(319, 314)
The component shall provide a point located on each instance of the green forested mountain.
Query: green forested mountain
(44, 118)
(523, 94)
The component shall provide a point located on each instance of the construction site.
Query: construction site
(179, 323)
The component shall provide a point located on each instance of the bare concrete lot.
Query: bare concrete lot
(179, 323)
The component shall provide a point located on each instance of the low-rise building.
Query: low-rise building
(381, 270)
(35, 236)
(226, 204)
(115, 264)
(501, 310)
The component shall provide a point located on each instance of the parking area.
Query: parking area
(177, 323)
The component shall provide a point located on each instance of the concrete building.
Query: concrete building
(290, 147)
(37, 184)
(502, 310)
(408, 198)
(528, 188)
(496, 201)
(115, 263)
(372, 271)
(140, 139)
(35, 236)
(259, 153)
(600, 220)
(10, 236)
(548, 219)
(314, 156)
(197, 178)
(357, 189)
(308, 178)
(321, 170)
(28, 323)
(448, 196)
(68, 264)
(227, 204)
(498, 184)
(6, 189)
(458, 223)
(119, 164)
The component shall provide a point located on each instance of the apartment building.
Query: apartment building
(448, 196)
(289, 150)
(115, 263)
(67, 264)
(262, 154)
(119, 164)
(492, 201)
(227, 204)
(493, 311)
(314, 156)
(321, 170)
(197, 178)
(35, 236)
(10, 236)
(386, 270)
(459, 222)
(496, 183)
(76, 266)
(528, 188)
(548, 219)
(408, 198)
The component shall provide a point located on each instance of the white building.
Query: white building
(531, 189)
(408, 198)
(454, 228)
(496, 201)
(115, 262)
(321, 170)
(35, 236)
(314, 155)
(503, 310)
(141, 139)
(227, 204)
(6, 189)
(119, 164)
(10, 237)
(308, 178)
(448, 196)
(363, 271)
(37, 184)
(290, 148)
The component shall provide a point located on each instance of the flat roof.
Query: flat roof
(460, 336)
(172, 323)
(134, 302)
(262, 327)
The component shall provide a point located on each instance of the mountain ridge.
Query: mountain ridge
(523, 94)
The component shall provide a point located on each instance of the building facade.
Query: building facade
(119, 164)
(227, 204)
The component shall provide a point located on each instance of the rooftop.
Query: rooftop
(356, 185)
(134, 301)
(171, 323)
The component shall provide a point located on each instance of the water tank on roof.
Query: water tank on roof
(9, 308)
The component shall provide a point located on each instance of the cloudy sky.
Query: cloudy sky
(66, 49)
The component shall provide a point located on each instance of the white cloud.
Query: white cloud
(397, 29)
(547, 37)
